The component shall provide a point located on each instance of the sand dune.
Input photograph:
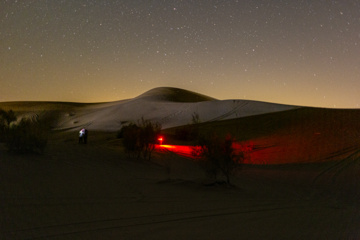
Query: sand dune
(299, 135)
(168, 106)
(302, 180)
(276, 133)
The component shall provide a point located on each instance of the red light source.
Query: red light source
(160, 139)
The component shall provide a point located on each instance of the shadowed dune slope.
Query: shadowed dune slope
(174, 95)
(295, 136)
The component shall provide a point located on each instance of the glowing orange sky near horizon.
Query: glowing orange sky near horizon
(291, 52)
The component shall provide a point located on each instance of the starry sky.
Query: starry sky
(301, 52)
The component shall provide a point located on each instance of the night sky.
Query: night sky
(302, 52)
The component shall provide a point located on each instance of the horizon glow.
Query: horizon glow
(303, 53)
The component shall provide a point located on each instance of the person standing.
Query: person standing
(82, 135)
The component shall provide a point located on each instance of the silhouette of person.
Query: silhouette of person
(82, 134)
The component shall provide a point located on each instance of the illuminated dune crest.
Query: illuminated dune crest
(168, 106)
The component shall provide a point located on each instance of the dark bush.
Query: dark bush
(130, 133)
(140, 139)
(6, 118)
(29, 135)
(149, 133)
(219, 157)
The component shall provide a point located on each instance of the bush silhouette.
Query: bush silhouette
(218, 156)
(26, 135)
(130, 134)
(6, 118)
(140, 139)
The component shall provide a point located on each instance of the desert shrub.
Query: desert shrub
(28, 135)
(149, 132)
(218, 156)
(130, 134)
(6, 118)
(139, 139)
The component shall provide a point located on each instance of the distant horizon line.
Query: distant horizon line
(183, 89)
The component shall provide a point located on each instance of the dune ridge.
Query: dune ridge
(170, 107)
(277, 133)
(174, 95)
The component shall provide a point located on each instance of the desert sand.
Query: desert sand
(301, 180)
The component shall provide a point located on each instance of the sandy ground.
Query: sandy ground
(94, 191)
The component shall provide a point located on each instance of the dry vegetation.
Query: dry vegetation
(27, 134)
(139, 139)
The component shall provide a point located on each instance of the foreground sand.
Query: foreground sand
(95, 192)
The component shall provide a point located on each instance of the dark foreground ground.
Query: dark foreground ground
(94, 191)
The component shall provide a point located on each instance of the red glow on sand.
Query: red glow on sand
(187, 151)
(194, 151)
